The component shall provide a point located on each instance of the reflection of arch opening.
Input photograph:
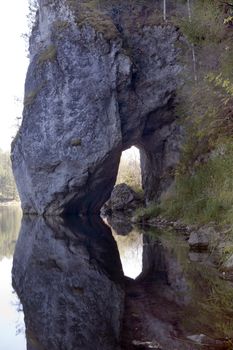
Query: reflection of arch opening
(131, 250)
(129, 171)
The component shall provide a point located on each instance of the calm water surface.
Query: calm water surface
(75, 279)
(12, 334)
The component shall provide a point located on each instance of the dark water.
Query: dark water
(78, 284)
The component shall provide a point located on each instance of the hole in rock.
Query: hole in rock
(122, 204)
(129, 171)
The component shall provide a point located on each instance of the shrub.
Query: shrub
(207, 194)
(143, 214)
(206, 24)
(49, 54)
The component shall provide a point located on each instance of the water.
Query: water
(76, 280)
(12, 335)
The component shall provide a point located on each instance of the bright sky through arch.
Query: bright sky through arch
(13, 65)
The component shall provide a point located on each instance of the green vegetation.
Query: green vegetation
(30, 97)
(206, 23)
(208, 306)
(210, 311)
(8, 189)
(206, 194)
(60, 25)
(91, 13)
(48, 55)
(98, 14)
(203, 190)
(129, 172)
(143, 214)
(10, 218)
(75, 142)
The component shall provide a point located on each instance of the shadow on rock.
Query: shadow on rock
(120, 223)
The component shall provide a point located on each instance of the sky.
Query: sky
(13, 66)
(12, 335)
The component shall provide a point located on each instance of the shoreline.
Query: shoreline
(10, 203)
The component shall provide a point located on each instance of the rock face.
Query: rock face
(70, 282)
(98, 82)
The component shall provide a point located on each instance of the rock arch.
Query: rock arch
(89, 95)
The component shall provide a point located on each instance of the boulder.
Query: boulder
(228, 264)
(123, 198)
(198, 241)
(203, 238)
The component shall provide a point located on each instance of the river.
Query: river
(82, 285)
(12, 332)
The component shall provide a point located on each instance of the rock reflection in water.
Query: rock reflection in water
(69, 278)
(129, 242)
(176, 303)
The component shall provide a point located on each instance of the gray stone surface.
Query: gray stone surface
(120, 223)
(123, 199)
(69, 279)
(204, 238)
(94, 87)
(199, 240)
(228, 264)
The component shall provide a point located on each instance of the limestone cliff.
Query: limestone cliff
(102, 77)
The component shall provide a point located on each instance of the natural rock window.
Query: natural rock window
(129, 171)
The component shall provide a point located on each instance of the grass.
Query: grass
(208, 307)
(89, 13)
(207, 194)
(143, 214)
(98, 14)
(211, 309)
(60, 25)
(206, 24)
(129, 172)
(31, 96)
(76, 142)
(48, 55)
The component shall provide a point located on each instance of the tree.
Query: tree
(193, 48)
(165, 10)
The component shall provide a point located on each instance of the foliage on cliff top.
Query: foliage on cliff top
(90, 13)
(205, 24)
(110, 16)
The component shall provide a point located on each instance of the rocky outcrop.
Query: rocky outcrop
(98, 82)
(123, 199)
(69, 279)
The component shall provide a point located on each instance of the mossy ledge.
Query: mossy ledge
(49, 54)
(89, 13)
